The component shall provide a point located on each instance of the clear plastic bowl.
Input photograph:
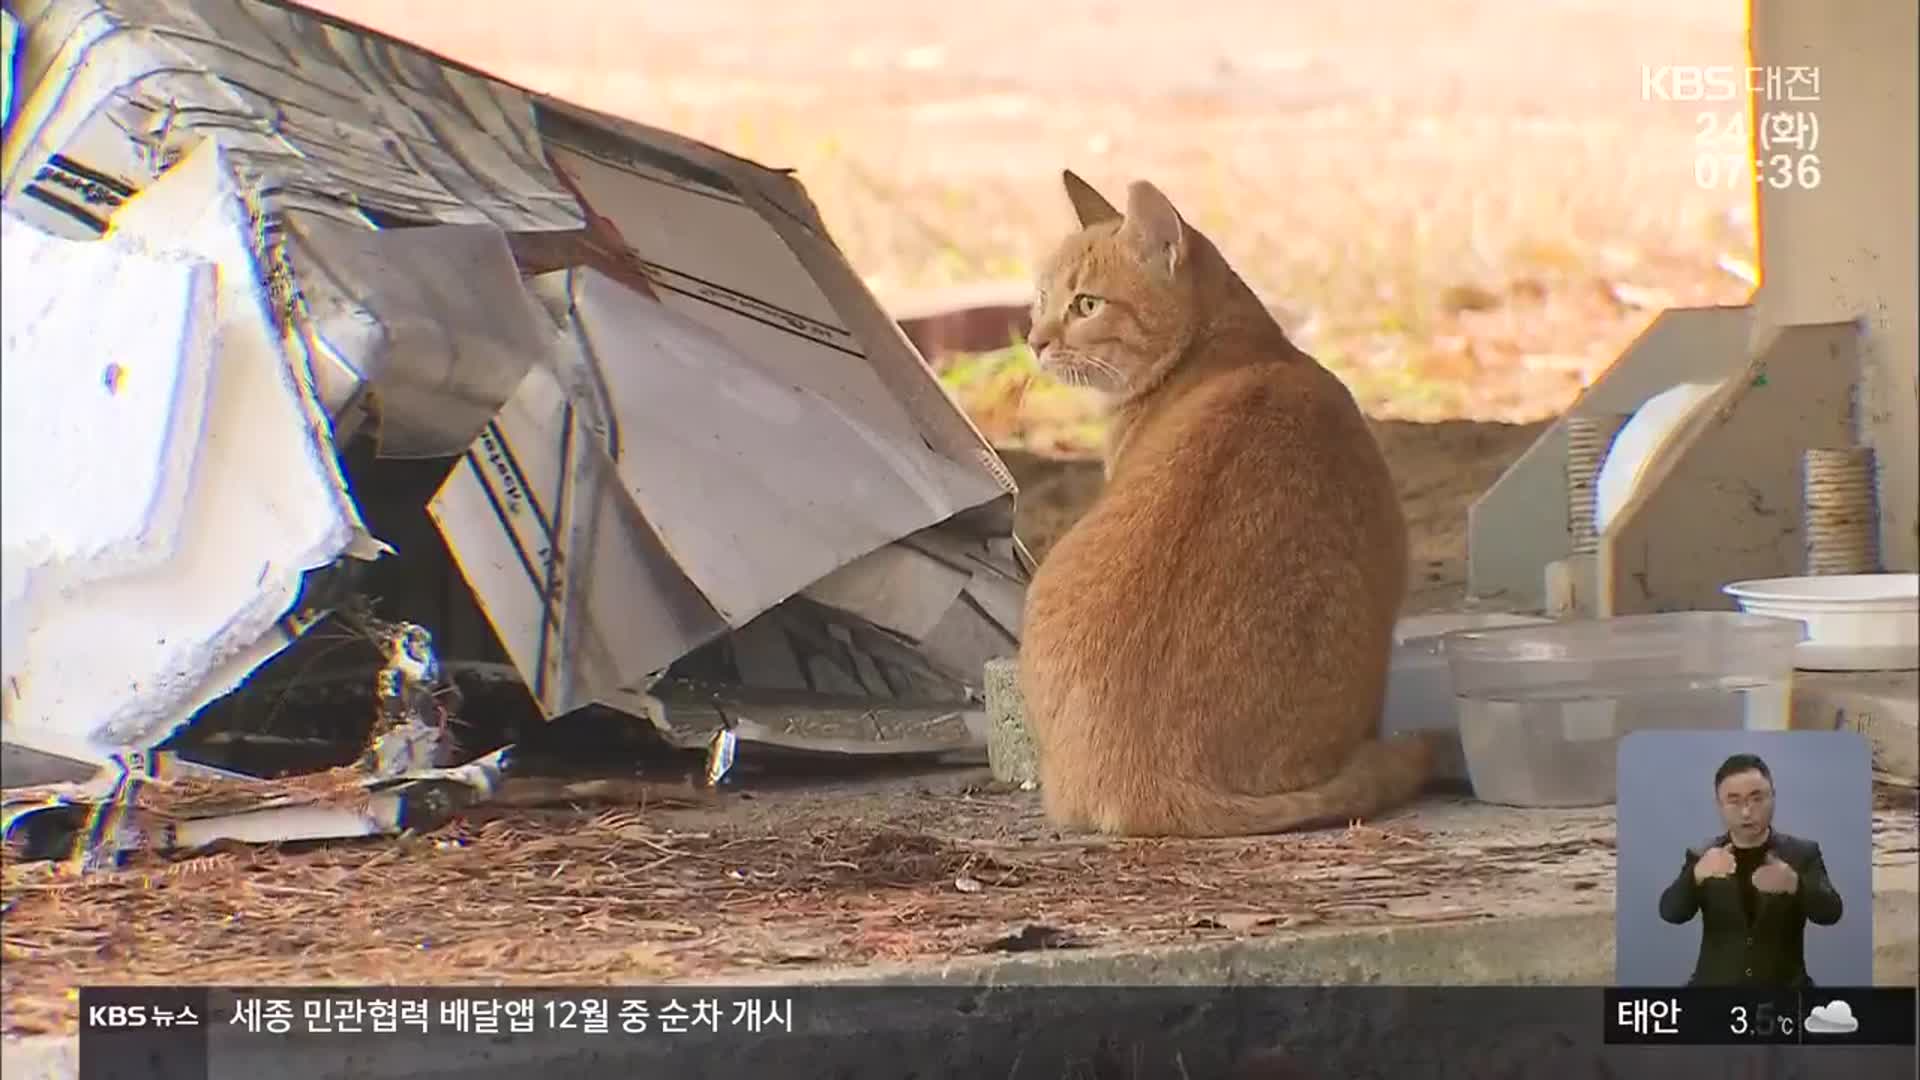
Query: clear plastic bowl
(1541, 709)
(1620, 650)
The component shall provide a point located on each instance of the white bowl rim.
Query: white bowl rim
(1899, 589)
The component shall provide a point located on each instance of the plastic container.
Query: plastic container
(1855, 622)
(1541, 709)
(1419, 684)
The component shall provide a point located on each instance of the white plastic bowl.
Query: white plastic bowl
(1641, 442)
(1855, 622)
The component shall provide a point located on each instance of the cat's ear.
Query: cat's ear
(1089, 205)
(1156, 227)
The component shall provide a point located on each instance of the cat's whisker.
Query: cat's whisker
(1089, 372)
(1107, 369)
(1078, 370)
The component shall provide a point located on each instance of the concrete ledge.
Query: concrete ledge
(1537, 950)
(1531, 950)
(41, 1057)
(1573, 950)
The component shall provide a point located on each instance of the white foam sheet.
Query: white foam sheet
(9, 37)
(98, 399)
(157, 532)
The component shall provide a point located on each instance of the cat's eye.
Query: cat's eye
(1085, 305)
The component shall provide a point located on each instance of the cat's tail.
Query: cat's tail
(1382, 774)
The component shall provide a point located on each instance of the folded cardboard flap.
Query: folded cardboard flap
(348, 125)
(426, 331)
(670, 409)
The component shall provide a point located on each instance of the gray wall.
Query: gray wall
(1823, 783)
(1845, 249)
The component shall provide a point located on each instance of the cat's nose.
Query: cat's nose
(1038, 340)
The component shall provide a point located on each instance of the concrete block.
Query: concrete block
(1010, 749)
(1884, 706)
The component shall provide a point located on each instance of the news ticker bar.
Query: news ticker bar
(1702, 1016)
(211, 1033)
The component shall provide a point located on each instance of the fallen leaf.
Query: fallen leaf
(1529, 289)
(1034, 937)
(1370, 874)
(1639, 297)
(1432, 913)
(661, 926)
(1468, 298)
(1242, 921)
(1737, 267)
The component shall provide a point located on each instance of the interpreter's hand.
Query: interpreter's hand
(1774, 876)
(1716, 862)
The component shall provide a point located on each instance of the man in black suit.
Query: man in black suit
(1754, 888)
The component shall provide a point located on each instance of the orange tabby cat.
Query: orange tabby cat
(1204, 653)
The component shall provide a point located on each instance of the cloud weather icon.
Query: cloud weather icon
(1833, 1018)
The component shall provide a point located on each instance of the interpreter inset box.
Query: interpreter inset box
(1745, 859)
